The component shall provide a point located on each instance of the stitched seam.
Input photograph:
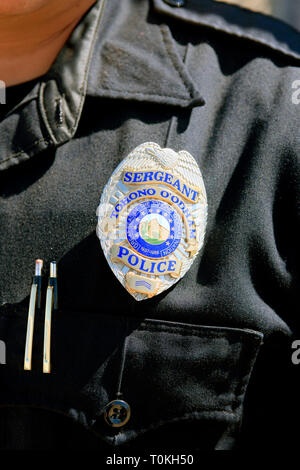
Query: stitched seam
(193, 332)
(148, 323)
(82, 88)
(258, 41)
(197, 414)
(44, 113)
(25, 150)
(225, 29)
(221, 27)
(21, 104)
(174, 59)
(242, 386)
(134, 93)
(187, 330)
(184, 417)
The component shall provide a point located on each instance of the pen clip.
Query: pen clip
(34, 301)
(51, 304)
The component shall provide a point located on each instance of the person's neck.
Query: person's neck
(30, 43)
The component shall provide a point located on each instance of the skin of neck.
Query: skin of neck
(32, 33)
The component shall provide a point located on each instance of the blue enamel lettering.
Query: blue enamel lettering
(133, 260)
(175, 199)
(142, 266)
(168, 178)
(152, 267)
(160, 269)
(142, 192)
(176, 185)
(127, 177)
(122, 251)
(133, 196)
(138, 177)
(186, 190)
(158, 175)
(148, 176)
(171, 266)
(195, 195)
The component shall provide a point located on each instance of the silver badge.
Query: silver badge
(152, 218)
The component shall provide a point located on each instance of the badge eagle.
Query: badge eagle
(152, 218)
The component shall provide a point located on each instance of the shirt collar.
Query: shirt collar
(48, 116)
(137, 59)
(236, 21)
(105, 56)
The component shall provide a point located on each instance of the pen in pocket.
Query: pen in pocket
(51, 304)
(34, 304)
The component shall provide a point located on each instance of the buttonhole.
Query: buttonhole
(59, 113)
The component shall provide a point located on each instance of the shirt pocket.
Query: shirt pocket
(185, 385)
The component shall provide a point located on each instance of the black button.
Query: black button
(175, 3)
(117, 413)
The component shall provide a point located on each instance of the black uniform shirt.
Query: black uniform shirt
(217, 81)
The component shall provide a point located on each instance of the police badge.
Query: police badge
(152, 218)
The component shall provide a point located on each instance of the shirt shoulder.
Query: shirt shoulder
(272, 35)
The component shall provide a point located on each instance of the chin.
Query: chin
(21, 7)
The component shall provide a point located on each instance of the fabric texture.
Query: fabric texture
(216, 81)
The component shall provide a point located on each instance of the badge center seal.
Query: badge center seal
(154, 229)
